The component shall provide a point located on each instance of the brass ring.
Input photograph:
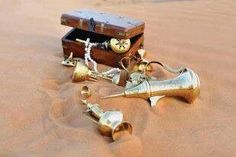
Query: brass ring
(85, 92)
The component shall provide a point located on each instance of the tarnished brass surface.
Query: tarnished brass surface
(111, 123)
(136, 78)
(186, 85)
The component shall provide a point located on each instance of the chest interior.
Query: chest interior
(94, 37)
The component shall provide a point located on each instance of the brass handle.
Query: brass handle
(166, 67)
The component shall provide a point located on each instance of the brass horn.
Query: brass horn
(185, 85)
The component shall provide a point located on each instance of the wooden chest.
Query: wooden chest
(101, 27)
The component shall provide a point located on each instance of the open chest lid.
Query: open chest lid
(103, 23)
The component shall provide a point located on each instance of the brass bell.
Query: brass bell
(143, 64)
(82, 73)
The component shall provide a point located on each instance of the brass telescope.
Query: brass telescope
(185, 85)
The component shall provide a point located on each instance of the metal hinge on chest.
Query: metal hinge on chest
(80, 23)
(91, 25)
(63, 21)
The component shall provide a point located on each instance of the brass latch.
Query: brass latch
(102, 27)
(81, 23)
(91, 25)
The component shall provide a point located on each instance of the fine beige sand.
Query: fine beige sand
(40, 112)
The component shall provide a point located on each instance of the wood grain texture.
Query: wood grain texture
(121, 27)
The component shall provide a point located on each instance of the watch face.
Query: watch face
(120, 45)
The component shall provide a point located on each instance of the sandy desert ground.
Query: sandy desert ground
(40, 112)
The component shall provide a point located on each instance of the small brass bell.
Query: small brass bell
(82, 73)
(110, 123)
(142, 65)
